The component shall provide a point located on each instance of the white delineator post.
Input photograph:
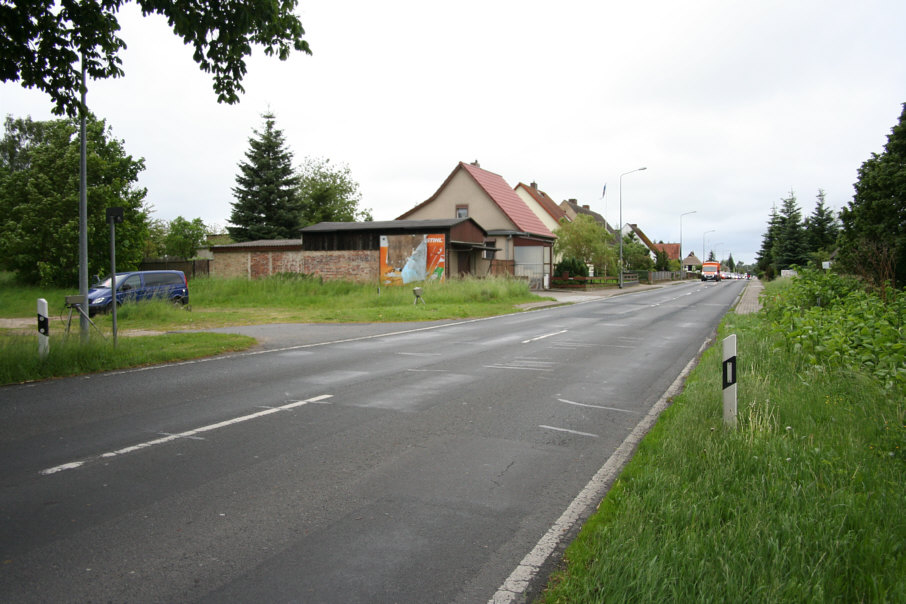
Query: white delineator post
(43, 329)
(728, 368)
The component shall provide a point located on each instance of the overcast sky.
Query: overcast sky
(730, 105)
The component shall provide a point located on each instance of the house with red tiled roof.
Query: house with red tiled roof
(523, 242)
(671, 249)
(545, 208)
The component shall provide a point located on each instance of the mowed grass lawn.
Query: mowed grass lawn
(222, 303)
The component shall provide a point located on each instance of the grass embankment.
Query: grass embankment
(226, 302)
(803, 501)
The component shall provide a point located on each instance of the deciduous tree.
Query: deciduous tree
(328, 193)
(39, 199)
(585, 240)
(184, 237)
(41, 41)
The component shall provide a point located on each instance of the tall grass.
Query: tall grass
(217, 302)
(803, 501)
(305, 299)
(20, 300)
(288, 290)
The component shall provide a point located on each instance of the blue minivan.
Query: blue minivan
(139, 285)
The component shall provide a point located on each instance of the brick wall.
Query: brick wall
(358, 266)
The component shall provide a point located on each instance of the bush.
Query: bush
(828, 321)
(574, 266)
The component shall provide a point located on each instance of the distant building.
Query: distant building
(691, 262)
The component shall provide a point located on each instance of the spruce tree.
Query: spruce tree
(764, 261)
(266, 191)
(873, 234)
(821, 227)
(790, 248)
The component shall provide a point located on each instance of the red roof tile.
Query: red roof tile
(672, 250)
(506, 198)
(544, 200)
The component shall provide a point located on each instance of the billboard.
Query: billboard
(412, 258)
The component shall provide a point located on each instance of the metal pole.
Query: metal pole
(704, 256)
(620, 233)
(681, 258)
(83, 211)
(621, 220)
(113, 276)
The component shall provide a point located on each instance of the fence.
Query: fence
(192, 268)
(565, 281)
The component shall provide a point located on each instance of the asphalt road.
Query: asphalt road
(375, 463)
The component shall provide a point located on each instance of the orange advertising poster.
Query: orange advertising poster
(412, 258)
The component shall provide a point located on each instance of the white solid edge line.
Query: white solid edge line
(522, 576)
(187, 434)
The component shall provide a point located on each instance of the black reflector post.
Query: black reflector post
(43, 329)
(729, 379)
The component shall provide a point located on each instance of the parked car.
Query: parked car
(136, 286)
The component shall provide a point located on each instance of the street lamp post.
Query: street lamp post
(621, 219)
(703, 243)
(682, 268)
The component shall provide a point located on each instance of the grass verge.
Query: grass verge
(225, 302)
(19, 360)
(291, 298)
(803, 501)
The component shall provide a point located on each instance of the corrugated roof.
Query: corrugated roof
(261, 243)
(437, 223)
(508, 201)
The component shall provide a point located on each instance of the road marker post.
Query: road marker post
(728, 369)
(43, 329)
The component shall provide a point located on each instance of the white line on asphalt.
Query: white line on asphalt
(187, 434)
(570, 431)
(515, 586)
(563, 400)
(547, 335)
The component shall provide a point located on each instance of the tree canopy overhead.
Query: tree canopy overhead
(41, 41)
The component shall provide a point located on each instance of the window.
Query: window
(131, 282)
(462, 211)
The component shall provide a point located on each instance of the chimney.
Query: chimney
(476, 164)
(534, 185)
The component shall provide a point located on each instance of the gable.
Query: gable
(541, 204)
(490, 201)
